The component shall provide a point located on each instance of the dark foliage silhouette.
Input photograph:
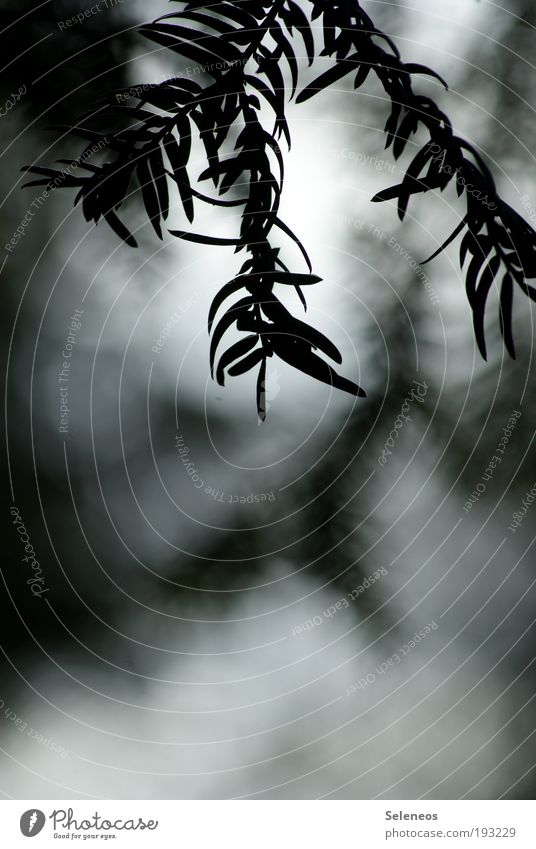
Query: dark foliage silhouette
(241, 47)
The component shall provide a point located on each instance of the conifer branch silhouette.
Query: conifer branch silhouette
(226, 39)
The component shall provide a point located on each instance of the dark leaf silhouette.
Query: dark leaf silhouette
(247, 363)
(479, 303)
(505, 314)
(229, 318)
(327, 79)
(119, 228)
(261, 391)
(300, 356)
(201, 239)
(412, 68)
(233, 353)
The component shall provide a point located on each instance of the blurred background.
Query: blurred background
(317, 618)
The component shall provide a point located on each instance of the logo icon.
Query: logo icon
(32, 822)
